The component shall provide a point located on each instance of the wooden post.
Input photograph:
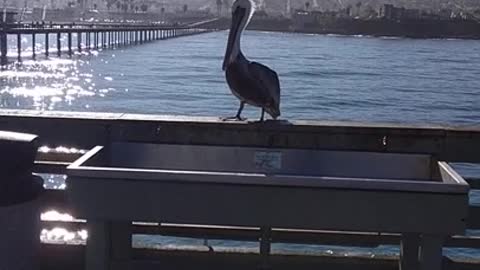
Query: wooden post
(121, 241)
(70, 52)
(19, 47)
(431, 252)
(34, 43)
(59, 43)
(265, 247)
(95, 39)
(87, 39)
(409, 248)
(19, 217)
(46, 44)
(98, 245)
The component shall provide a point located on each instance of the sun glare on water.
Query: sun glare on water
(45, 84)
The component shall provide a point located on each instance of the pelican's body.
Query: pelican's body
(252, 83)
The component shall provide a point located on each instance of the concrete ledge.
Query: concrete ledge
(85, 130)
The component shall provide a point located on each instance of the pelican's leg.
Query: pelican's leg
(240, 109)
(263, 115)
(236, 117)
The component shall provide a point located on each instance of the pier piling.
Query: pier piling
(3, 46)
(79, 41)
(59, 44)
(87, 40)
(19, 47)
(46, 44)
(102, 41)
(70, 43)
(34, 44)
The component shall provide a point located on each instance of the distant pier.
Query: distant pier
(90, 36)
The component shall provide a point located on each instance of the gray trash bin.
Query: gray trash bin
(19, 204)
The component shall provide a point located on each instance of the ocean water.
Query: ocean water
(323, 77)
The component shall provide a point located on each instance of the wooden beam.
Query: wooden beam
(334, 238)
(60, 257)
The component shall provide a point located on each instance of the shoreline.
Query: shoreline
(359, 34)
(413, 29)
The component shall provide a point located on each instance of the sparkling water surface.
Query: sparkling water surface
(323, 77)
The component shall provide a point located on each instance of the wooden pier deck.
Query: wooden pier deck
(85, 130)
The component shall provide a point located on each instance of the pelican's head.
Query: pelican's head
(242, 11)
(273, 108)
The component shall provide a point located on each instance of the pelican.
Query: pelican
(251, 82)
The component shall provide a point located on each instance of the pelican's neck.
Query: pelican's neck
(240, 20)
(236, 50)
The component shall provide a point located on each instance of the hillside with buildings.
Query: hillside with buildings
(413, 18)
(273, 7)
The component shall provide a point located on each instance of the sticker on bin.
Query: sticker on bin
(268, 160)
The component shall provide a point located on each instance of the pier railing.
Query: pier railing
(90, 36)
(76, 131)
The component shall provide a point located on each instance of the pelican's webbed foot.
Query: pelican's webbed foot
(236, 117)
(233, 118)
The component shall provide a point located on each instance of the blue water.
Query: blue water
(366, 79)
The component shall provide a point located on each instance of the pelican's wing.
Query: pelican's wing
(268, 78)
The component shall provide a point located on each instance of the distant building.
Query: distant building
(446, 14)
(9, 15)
(390, 12)
(56, 15)
(302, 18)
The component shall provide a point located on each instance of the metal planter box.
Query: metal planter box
(280, 188)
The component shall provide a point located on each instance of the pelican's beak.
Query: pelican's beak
(237, 18)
